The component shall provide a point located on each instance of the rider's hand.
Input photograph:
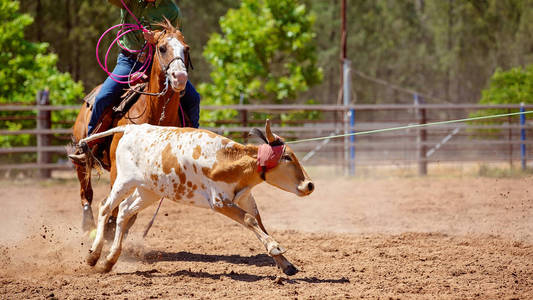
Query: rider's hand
(149, 36)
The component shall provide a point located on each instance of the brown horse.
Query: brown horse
(158, 105)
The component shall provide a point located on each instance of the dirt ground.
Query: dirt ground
(402, 238)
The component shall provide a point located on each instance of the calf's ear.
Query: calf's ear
(259, 133)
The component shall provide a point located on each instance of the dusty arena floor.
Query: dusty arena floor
(372, 238)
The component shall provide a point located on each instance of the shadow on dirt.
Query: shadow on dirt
(259, 260)
(234, 276)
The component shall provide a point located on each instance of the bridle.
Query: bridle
(187, 62)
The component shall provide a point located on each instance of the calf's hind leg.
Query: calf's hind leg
(119, 191)
(127, 209)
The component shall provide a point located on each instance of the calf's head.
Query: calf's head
(278, 165)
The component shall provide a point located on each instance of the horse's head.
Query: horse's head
(173, 55)
(279, 165)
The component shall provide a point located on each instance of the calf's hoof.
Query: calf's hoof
(107, 266)
(290, 270)
(92, 258)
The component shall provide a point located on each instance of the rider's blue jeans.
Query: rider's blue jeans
(111, 92)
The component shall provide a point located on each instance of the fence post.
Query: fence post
(43, 140)
(421, 138)
(347, 93)
(523, 135)
(244, 123)
(352, 142)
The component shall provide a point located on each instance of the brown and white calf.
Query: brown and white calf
(200, 168)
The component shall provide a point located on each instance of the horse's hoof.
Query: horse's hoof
(290, 270)
(109, 231)
(92, 258)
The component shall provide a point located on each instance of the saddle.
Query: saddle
(110, 117)
(127, 100)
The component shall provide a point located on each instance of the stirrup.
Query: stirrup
(78, 159)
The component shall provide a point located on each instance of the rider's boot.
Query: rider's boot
(80, 156)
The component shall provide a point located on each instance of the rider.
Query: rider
(148, 12)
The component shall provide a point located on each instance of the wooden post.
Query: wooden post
(43, 140)
(421, 138)
(244, 123)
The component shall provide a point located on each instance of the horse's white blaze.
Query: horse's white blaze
(178, 50)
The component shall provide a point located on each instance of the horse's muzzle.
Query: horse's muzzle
(178, 80)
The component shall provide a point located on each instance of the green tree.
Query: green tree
(25, 68)
(513, 86)
(265, 53)
(510, 87)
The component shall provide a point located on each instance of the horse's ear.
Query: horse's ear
(169, 24)
(158, 34)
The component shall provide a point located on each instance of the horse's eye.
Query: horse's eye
(163, 49)
(287, 158)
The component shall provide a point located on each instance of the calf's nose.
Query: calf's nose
(306, 187)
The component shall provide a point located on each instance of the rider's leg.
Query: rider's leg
(111, 90)
(109, 94)
(190, 102)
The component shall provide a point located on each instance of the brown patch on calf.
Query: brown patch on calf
(197, 152)
(194, 167)
(169, 160)
(154, 178)
(235, 164)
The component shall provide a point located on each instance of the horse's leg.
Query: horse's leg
(86, 195)
(128, 209)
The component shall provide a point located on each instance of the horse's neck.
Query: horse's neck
(157, 105)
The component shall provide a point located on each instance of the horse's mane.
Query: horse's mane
(167, 27)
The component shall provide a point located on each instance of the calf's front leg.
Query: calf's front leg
(239, 215)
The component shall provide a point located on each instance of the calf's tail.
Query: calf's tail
(90, 159)
(100, 135)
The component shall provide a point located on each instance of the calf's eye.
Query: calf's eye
(287, 158)
(163, 49)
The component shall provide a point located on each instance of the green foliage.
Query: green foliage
(265, 53)
(26, 68)
(510, 87)
(514, 86)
